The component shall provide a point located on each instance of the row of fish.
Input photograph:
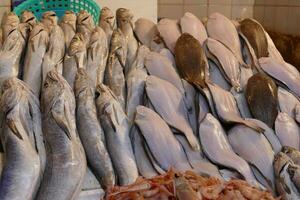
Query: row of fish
(215, 97)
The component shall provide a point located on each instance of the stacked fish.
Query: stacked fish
(212, 97)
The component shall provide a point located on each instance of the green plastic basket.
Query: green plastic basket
(59, 7)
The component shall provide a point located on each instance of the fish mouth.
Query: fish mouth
(30, 19)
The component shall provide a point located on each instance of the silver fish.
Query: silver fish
(125, 24)
(114, 76)
(227, 61)
(191, 24)
(22, 168)
(287, 102)
(143, 162)
(135, 82)
(217, 148)
(287, 130)
(116, 128)
(158, 136)
(55, 51)
(165, 97)
(97, 54)
(281, 73)
(36, 49)
(90, 131)
(85, 24)
(222, 29)
(255, 149)
(226, 107)
(66, 162)
(217, 77)
(75, 58)
(107, 22)
(68, 25)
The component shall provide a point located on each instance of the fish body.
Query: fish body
(241, 103)
(90, 131)
(287, 102)
(68, 25)
(117, 128)
(66, 162)
(146, 31)
(107, 22)
(85, 24)
(217, 77)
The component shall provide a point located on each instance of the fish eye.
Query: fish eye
(46, 84)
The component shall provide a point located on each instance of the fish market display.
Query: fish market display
(145, 109)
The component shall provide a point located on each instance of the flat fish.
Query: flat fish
(168, 54)
(116, 129)
(241, 103)
(168, 102)
(191, 60)
(125, 24)
(203, 107)
(217, 148)
(36, 49)
(107, 22)
(75, 58)
(85, 24)
(287, 102)
(281, 73)
(170, 32)
(217, 77)
(21, 173)
(146, 31)
(287, 130)
(270, 135)
(143, 162)
(255, 149)
(227, 109)
(196, 159)
(226, 61)
(248, 53)
(68, 25)
(261, 95)
(158, 135)
(97, 54)
(273, 51)
(222, 29)
(66, 161)
(90, 131)
(191, 24)
(114, 74)
(255, 34)
(135, 83)
(246, 74)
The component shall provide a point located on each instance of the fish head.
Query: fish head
(98, 35)
(10, 22)
(28, 18)
(107, 18)
(288, 150)
(11, 93)
(85, 19)
(77, 45)
(118, 46)
(124, 19)
(83, 84)
(39, 34)
(280, 160)
(49, 18)
(69, 17)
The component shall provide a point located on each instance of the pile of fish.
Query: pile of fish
(128, 100)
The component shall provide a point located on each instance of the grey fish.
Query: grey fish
(55, 51)
(117, 128)
(68, 25)
(287, 102)
(217, 148)
(241, 103)
(269, 134)
(66, 162)
(75, 58)
(287, 130)
(146, 31)
(36, 49)
(107, 22)
(255, 149)
(196, 159)
(216, 76)
(114, 76)
(203, 107)
(273, 51)
(97, 54)
(294, 172)
(90, 131)
(282, 73)
(125, 24)
(168, 54)
(292, 153)
(135, 82)
(143, 162)
(22, 168)
(246, 74)
(85, 24)
(168, 102)
(226, 107)
(158, 136)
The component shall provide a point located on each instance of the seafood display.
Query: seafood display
(178, 109)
